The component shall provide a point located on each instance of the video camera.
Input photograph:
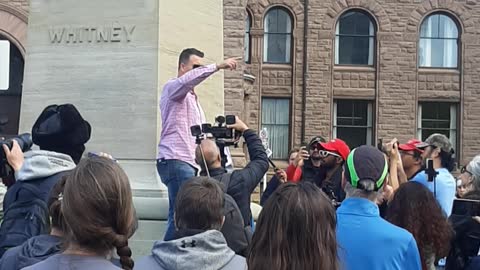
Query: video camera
(223, 136)
(25, 143)
(219, 131)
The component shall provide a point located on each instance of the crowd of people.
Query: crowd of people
(332, 208)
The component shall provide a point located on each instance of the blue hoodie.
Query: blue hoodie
(368, 242)
(35, 250)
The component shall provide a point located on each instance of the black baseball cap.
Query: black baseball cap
(366, 163)
(316, 139)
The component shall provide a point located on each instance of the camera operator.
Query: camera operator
(439, 148)
(411, 158)
(242, 182)
(60, 132)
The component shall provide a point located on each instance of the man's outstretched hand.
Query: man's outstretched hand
(230, 63)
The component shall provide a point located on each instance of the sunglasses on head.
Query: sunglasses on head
(324, 153)
(464, 170)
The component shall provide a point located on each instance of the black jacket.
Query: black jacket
(243, 182)
(317, 175)
(272, 185)
(313, 174)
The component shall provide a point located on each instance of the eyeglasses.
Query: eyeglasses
(464, 170)
(324, 153)
(197, 66)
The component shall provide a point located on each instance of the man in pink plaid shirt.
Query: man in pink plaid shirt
(180, 110)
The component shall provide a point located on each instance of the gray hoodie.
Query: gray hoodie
(40, 164)
(203, 251)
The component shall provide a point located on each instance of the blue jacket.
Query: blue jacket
(36, 249)
(368, 242)
(444, 188)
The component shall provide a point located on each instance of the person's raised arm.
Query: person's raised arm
(179, 87)
(258, 165)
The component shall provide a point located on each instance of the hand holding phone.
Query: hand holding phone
(301, 157)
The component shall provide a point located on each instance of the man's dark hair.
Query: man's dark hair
(185, 55)
(199, 205)
(448, 160)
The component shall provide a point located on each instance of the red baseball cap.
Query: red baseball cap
(411, 145)
(338, 146)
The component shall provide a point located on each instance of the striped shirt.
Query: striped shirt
(180, 110)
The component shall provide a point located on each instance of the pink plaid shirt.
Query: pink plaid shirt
(180, 110)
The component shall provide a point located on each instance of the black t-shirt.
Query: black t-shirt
(318, 175)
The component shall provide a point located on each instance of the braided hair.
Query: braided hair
(98, 209)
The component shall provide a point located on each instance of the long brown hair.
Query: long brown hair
(98, 209)
(415, 209)
(55, 206)
(295, 231)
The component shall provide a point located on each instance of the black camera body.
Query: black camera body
(219, 131)
(222, 135)
(25, 143)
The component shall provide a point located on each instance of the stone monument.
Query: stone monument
(101, 56)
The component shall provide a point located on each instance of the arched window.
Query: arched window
(278, 36)
(10, 98)
(438, 46)
(355, 39)
(248, 26)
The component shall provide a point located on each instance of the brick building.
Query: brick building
(13, 28)
(373, 70)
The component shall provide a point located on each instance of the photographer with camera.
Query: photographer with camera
(411, 158)
(180, 109)
(60, 132)
(241, 183)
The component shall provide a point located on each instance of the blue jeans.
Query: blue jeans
(173, 174)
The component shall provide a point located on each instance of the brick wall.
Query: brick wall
(395, 82)
(21, 5)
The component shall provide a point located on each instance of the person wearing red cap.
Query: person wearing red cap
(411, 158)
(333, 156)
